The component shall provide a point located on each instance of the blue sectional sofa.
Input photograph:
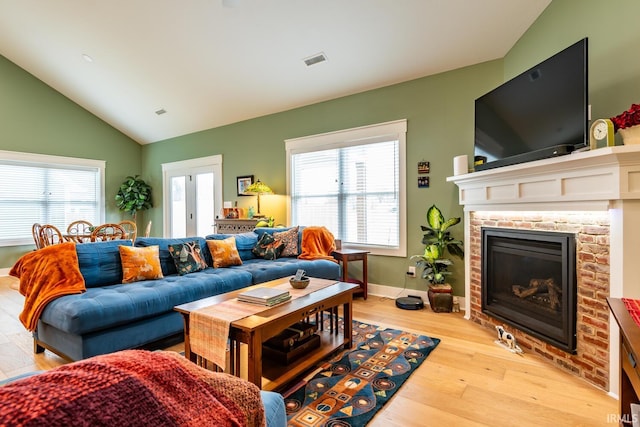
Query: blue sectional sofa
(112, 316)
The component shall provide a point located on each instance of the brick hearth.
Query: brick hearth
(591, 360)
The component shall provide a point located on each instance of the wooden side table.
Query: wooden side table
(343, 256)
(629, 358)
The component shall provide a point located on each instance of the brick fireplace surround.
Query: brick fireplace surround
(594, 194)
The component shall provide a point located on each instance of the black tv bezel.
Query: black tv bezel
(555, 150)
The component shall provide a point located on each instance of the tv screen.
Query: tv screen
(540, 113)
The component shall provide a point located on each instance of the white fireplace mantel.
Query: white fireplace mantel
(606, 179)
(588, 180)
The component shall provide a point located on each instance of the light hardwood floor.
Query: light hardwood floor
(467, 380)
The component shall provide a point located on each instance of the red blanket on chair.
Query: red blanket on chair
(317, 243)
(45, 275)
(131, 388)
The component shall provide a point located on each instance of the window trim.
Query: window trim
(353, 137)
(46, 160)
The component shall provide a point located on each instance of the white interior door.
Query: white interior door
(192, 194)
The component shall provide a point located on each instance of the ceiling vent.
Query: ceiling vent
(161, 111)
(315, 59)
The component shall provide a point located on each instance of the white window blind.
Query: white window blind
(35, 189)
(352, 182)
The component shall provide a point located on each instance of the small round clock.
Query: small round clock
(601, 130)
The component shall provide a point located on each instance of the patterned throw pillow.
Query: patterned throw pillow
(224, 252)
(140, 263)
(290, 240)
(268, 247)
(187, 257)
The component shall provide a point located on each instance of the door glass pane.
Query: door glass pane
(204, 204)
(178, 207)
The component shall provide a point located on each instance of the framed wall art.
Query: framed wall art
(423, 167)
(243, 183)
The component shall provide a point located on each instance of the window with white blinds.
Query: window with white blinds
(352, 182)
(48, 190)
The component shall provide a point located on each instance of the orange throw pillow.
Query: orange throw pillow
(140, 263)
(224, 252)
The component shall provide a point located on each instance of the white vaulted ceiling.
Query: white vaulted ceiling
(213, 62)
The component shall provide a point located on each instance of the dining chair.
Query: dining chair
(147, 230)
(131, 228)
(79, 231)
(50, 235)
(108, 232)
(35, 231)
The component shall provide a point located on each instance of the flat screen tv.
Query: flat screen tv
(540, 113)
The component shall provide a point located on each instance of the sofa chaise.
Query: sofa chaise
(111, 315)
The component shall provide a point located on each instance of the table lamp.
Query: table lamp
(258, 188)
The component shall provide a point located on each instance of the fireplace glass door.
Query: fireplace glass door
(529, 282)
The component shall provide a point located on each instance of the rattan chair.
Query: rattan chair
(130, 228)
(79, 231)
(35, 231)
(50, 235)
(108, 232)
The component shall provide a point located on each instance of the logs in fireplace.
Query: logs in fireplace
(529, 282)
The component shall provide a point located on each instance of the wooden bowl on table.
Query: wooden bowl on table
(299, 284)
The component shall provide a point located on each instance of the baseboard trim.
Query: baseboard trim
(393, 293)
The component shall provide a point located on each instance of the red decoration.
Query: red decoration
(629, 118)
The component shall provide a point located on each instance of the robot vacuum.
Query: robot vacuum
(410, 303)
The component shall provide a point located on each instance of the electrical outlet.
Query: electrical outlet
(411, 271)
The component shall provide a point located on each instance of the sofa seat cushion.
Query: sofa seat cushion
(109, 306)
(266, 270)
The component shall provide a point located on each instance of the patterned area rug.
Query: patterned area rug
(349, 389)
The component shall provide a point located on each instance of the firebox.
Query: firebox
(529, 282)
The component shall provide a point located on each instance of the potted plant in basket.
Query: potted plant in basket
(433, 262)
(134, 195)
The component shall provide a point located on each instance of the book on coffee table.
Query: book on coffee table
(265, 296)
(269, 303)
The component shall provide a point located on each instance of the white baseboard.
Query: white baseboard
(393, 293)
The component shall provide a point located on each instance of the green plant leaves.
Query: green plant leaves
(134, 195)
(438, 241)
(434, 218)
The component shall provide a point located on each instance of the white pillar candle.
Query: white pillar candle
(460, 165)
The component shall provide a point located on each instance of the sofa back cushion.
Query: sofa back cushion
(244, 243)
(166, 260)
(99, 262)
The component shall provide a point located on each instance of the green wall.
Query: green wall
(34, 118)
(439, 110)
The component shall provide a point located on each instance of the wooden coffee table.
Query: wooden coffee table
(255, 329)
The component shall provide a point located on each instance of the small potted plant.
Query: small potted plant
(134, 195)
(433, 262)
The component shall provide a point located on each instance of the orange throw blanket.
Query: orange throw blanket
(45, 275)
(317, 243)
